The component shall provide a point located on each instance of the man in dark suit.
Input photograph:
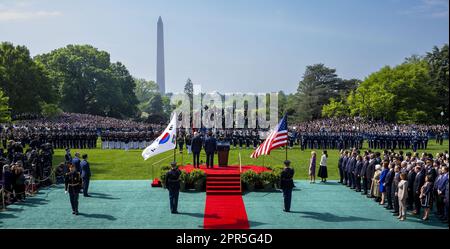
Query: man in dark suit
(196, 147)
(418, 183)
(388, 184)
(357, 173)
(395, 190)
(287, 184)
(430, 170)
(345, 160)
(411, 179)
(363, 174)
(76, 162)
(210, 149)
(340, 162)
(351, 165)
(85, 175)
(370, 173)
(440, 186)
(67, 156)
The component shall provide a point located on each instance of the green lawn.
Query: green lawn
(129, 165)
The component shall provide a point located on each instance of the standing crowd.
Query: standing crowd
(400, 181)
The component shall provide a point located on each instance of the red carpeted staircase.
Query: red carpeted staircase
(223, 183)
(224, 208)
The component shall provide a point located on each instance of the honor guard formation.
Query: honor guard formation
(402, 181)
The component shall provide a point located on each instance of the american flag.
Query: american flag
(277, 138)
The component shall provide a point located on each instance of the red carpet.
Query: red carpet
(224, 207)
(232, 168)
(225, 212)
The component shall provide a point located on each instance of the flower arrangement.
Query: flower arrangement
(198, 177)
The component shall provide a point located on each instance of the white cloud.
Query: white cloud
(430, 8)
(13, 15)
(19, 11)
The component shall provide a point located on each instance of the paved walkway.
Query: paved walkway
(134, 204)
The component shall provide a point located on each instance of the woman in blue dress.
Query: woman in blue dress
(382, 181)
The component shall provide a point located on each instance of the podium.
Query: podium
(223, 150)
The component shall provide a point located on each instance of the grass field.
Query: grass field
(129, 165)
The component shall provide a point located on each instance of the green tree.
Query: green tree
(189, 91)
(336, 109)
(50, 110)
(391, 92)
(90, 83)
(155, 109)
(5, 112)
(438, 62)
(24, 81)
(145, 90)
(318, 85)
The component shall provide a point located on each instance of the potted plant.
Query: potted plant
(267, 180)
(277, 177)
(198, 177)
(250, 178)
(184, 180)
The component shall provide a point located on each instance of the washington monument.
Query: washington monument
(160, 68)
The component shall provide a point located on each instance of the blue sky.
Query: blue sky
(234, 45)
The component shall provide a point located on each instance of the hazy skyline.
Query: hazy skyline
(230, 46)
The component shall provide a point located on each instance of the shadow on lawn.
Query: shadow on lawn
(103, 196)
(98, 216)
(32, 202)
(200, 215)
(7, 216)
(329, 217)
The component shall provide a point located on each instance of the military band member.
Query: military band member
(72, 187)
(287, 184)
(173, 185)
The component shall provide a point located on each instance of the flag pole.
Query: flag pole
(285, 116)
(175, 149)
(176, 138)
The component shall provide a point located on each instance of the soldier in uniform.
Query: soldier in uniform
(287, 184)
(73, 183)
(68, 156)
(85, 174)
(172, 182)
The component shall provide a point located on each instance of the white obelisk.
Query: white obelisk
(160, 68)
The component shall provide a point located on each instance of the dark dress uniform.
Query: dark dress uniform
(73, 185)
(196, 147)
(287, 184)
(173, 185)
(210, 149)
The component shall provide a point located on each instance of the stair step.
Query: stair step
(223, 187)
(227, 183)
(221, 177)
(224, 192)
(225, 174)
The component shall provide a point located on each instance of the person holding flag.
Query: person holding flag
(165, 142)
(278, 138)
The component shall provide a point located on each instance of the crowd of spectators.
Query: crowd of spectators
(399, 181)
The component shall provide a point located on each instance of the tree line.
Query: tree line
(76, 78)
(416, 91)
(82, 79)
